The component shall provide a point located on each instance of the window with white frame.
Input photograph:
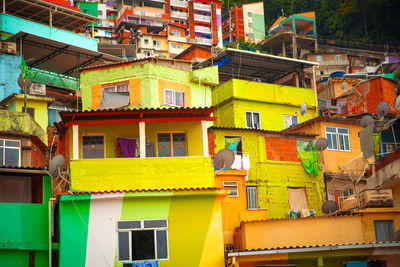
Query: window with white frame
(252, 197)
(121, 88)
(157, 15)
(180, 46)
(290, 120)
(338, 138)
(147, 53)
(156, 43)
(142, 240)
(174, 98)
(253, 120)
(172, 45)
(146, 41)
(318, 58)
(10, 152)
(338, 57)
(176, 33)
(142, 13)
(233, 188)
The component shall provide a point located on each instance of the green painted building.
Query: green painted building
(24, 227)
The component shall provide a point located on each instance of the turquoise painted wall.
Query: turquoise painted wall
(149, 75)
(13, 25)
(24, 228)
(10, 68)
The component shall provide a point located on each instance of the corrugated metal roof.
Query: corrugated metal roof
(142, 190)
(302, 134)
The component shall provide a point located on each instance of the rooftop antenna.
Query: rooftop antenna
(224, 159)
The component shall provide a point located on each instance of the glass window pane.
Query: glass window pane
(249, 120)
(179, 142)
(342, 130)
(295, 120)
(164, 145)
(1, 142)
(93, 147)
(256, 118)
(123, 246)
(179, 99)
(252, 197)
(162, 244)
(334, 141)
(12, 143)
(1, 156)
(341, 142)
(129, 224)
(11, 157)
(143, 247)
(330, 130)
(346, 142)
(154, 223)
(109, 89)
(168, 97)
(329, 137)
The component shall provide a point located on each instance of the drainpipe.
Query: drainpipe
(50, 228)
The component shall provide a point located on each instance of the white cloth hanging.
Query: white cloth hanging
(237, 164)
(246, 165)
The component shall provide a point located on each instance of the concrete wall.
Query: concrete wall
(272, 177)
(194, 226)
(10, 69)
(148, 80)
(13, 25)
(25, 228)
(257, 26)
(271, 100)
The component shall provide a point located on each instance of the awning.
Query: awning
(246, 65)
(54, 56)
(39, 11)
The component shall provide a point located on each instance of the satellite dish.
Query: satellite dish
(303, 109)
(366, 121)
(224, 159)
(397, 104)
(329, 207)
(344, 85)
(56, 165)
(383, 108)
(321, 144)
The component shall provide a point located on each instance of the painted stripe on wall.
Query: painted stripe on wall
(102, 236)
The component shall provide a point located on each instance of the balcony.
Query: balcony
(179, 15)
(203, 41)
(202, 29)
(146, 173)
(179, 3)
(202, 7)
(179, 39)
(202, 18)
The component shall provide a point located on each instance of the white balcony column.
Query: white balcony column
(142, 139)
(75, 142)
(205, 138)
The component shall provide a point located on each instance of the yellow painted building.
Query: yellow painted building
(37, 107)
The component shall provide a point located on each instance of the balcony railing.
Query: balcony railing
(203, 41)
(180, 39)
(179, 15)
(202, 29)
(202, 18)
(334, 62)
(202, 7)
(141, 173)
(179, 3)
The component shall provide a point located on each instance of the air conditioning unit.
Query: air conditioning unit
(37, 89)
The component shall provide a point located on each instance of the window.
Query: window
(253, 120)
(233, 187)
(10, 152)
(100, 12)
(252, 198)
(290, 120)
(318, 58)
(174, 98)
(142, 240)
(147, 53)
(180, 46)
(93, 147)
(171, 144)
(142, 13)
(146, 41)
(86, 11)
(21, 188)
(30, 111)
(234, 143)
(157, 15)
(172, 45)
(384, 230)
(338, 138)
(250, 35)
(156, 43)
(176, 33)
(122, 88)
(338, 57)
(297, 198)
(249, 14)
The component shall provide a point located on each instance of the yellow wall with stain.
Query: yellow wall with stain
(40, 106)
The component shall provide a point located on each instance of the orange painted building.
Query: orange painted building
(195, 53)
(236, 25)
